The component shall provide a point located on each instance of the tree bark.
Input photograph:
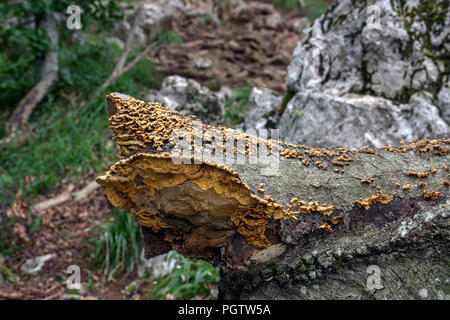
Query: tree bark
(335, 223)
(47, 71)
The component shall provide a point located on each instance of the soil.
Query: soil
(251, 44)
(64, 232)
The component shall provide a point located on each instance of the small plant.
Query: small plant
(118, 244)
(298, 113)
(315, 8)
(209, 18)
(189, 279)
(169, 37)
(6, 275)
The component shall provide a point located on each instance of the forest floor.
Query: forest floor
(253, 47)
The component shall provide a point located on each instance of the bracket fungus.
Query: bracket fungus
(191, 201)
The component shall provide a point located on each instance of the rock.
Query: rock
(157, 15)
(203, 64)
(359, 85)
(261, 104)
(154, 15)
(443, 102)
(159, 266)
(351, 120)
(34, 265)
(300, 24)
(189, 97)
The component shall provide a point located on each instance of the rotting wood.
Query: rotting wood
(214, 211)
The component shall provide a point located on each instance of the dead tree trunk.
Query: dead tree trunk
(330, 223)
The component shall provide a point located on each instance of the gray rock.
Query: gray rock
(34, 265)
(359, 85)
(159, 266)
(443, 102)
(189, 97)
(261, 104)
(327, 119)
(155, 13)
(203, 64)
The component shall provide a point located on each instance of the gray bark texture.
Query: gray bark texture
(387, 236)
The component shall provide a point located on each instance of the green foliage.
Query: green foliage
(168, 37)
(190, 279)
(298, 113)
(6, 275)
(63, 145)
(105, 12)
(87, 64)
(209, 19)
(67, 141)
(18, 54)
(21, 45)
(235, 106)
(313, 8)
(118, 244)
(287, 5)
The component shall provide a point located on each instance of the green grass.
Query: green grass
(190, 279)
(68, 141)
(6, 275)
(169, 37)
(118, 244)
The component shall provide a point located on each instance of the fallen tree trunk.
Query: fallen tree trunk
(321, 223)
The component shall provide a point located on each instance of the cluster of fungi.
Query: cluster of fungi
(145, 134)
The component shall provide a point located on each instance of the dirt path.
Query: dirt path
(254, 45)
(64, 233)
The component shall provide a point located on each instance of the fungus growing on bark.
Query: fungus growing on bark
(326, 226)
(195, 204)
(367, 203)
(417, 174)
(432, 195)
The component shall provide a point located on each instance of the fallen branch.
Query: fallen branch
(67, 195)
(118, 69)
(308, 232)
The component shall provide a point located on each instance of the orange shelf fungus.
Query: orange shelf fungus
(326, 227)
(417, 174)
(434, 195)
(367, 203)
(203, 202)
